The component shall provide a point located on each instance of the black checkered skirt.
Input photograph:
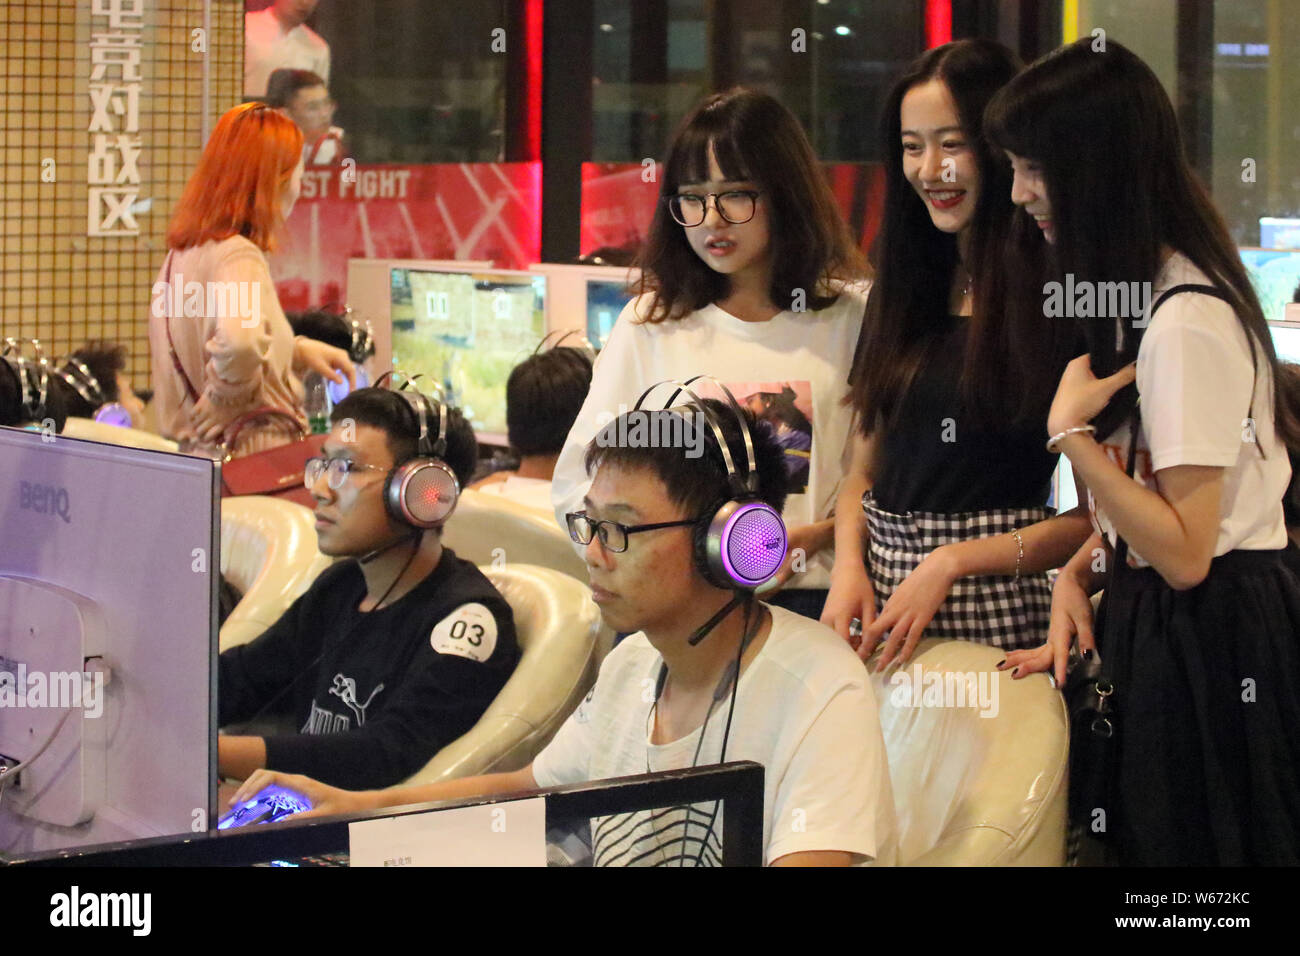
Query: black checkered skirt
(994, 609)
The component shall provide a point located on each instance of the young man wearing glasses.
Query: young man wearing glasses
(803, 706)
(388, 657)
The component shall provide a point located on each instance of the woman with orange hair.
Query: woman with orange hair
(220, 342)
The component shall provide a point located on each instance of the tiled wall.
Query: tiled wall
(56, 283)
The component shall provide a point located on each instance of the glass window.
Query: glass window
(649, 67)
(1242, 79)
(414, 81)
(830, 63)
(1255, 135)
(1147, 27)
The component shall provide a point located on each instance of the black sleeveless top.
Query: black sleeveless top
(935, 457)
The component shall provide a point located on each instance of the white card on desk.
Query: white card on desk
(498, 834)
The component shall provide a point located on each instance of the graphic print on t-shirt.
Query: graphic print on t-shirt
(345, 688)
(672, 836)
(787, 407)
(322, 721)
(469, 631)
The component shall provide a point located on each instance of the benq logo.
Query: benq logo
(45, 499)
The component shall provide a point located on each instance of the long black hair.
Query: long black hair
(756, 138)
(1009, 369)
(1121, 192)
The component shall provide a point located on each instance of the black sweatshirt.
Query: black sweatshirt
(392, 687)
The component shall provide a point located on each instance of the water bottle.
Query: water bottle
(317, 403)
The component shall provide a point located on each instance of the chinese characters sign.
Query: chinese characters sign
(113, 164)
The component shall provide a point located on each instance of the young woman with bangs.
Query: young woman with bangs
(751, 276)
(221, 346)
(941, 526)
(1173, 420)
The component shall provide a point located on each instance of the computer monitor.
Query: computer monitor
(737, 785)
(1274, 273)
(1286, 336)
(605, 302)
(586, 299)
(370, 296)
(1279, 233)
(108, 637)
(465, 331)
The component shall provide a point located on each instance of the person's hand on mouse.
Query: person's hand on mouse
(325, 800)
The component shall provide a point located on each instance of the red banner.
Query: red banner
(445, 211)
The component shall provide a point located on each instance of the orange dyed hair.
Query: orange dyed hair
(235, 189)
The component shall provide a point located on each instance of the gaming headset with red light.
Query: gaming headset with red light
(740, 541)
(422, 492)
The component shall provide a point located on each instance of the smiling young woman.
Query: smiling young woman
(951, 385)
(1200, 623)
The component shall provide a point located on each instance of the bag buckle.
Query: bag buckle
(1102, 727)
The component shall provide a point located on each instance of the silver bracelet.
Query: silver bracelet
(1077, 429)
(1020, 551)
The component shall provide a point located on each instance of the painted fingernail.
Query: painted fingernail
(1001, 662)
(1015, 671)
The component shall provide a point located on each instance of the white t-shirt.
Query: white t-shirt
(325, 151)
(530, 492)
(1194, 376)
(805, 710)
(269, 47)
(799, 359)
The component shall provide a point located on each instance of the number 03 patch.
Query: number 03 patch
(469, 631)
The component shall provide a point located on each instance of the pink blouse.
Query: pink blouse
(231, 338)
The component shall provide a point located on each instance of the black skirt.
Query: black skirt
(1207, 692)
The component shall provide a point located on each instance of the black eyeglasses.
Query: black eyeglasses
(736, 206)
(613, 536)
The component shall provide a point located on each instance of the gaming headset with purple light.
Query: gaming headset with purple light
(82, 380)
(739, 542)
(422, 492)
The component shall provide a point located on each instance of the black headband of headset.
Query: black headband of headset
(363, 340)
(88, 387)
(33, 376)
(423, 408)
(748, 483)
(583, 346)
(422, 405)
(20, 388)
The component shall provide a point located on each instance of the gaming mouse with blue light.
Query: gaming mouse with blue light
(269, 806)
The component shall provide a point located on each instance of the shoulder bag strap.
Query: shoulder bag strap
(1121, 546)
(171, 345)
(1189, 287)
(1218, 294)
